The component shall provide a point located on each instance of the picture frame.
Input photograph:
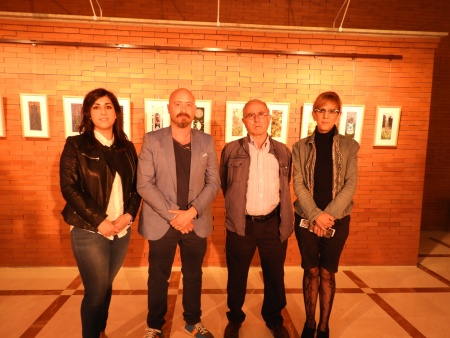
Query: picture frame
(2, 119)
(126, 112)
(73, 115)
(308, 123)
(351, 121)
(156, 114)
(387, 125)
(279, 124)
(34, 113)
(235, 128)
(202, 118)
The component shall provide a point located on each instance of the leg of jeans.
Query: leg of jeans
(192, 252)
(239, 253)
(118, 251)
(160, 259)
(92, 253)
(273, 255)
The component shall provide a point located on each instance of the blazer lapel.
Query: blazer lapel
(167, 147)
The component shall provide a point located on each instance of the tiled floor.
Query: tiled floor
(370, 301)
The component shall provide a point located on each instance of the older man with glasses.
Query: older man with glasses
(255, 173)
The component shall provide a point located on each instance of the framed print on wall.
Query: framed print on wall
(308, 123)
(125, 106)
(202, 117)
(2, 119)
(234, 127)
(279, 123)
(351, 121)
(387, 125)
(34, 115)
(73, 114)
(156, 114)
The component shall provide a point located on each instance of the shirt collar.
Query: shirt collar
(265, 145)
(102, 139)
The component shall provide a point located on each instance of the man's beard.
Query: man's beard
(184, 122)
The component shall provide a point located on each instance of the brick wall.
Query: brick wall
(387, 215)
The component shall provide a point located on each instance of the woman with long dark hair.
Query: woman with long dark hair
(98, 182)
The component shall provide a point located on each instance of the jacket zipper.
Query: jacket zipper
(92, 158)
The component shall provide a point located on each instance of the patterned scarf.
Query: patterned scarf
(337, 168)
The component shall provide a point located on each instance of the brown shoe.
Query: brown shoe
(232, 330)
(280, 332)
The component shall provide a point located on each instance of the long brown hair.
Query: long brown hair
(87, 126)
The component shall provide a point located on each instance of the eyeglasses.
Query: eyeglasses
(260, 115)
(329, 111)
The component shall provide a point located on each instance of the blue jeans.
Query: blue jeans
(99, 260)
(160, 258)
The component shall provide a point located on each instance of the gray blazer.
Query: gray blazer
(157, 182)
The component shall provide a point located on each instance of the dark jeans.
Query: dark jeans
(160, 259)
(99, 260)
(239, 253)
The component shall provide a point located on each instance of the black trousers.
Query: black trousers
(239, 253)
(160, 258)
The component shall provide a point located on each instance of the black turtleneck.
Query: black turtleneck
(323, 170)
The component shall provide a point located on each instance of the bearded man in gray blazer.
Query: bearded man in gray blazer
(178, 178)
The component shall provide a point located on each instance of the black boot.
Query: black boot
(308, 332)
(323, 334)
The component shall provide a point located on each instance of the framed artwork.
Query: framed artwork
(125, 106)
(387, 125)
(34, 115)
(308, 123)
(279, 123)
(351, 122)
(235, 128)
(2, 119)
(156, 114)
(202, 117)
(72, 114)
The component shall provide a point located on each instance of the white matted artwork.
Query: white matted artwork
(2, 119)
(235, 128)
(308, 123)
(34, 115)
(156, 114)
(279, 123)
(73, 115)
(351, 121)
(202, 117)
(125, 106)
(387, 125)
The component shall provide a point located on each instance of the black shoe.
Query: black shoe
(280, 332)
(232, 330)
(308, 332)
(323, 334)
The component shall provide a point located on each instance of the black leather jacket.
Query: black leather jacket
(87, 170)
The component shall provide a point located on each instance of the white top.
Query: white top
(263, 189)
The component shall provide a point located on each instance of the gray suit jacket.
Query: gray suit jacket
(157, 182)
